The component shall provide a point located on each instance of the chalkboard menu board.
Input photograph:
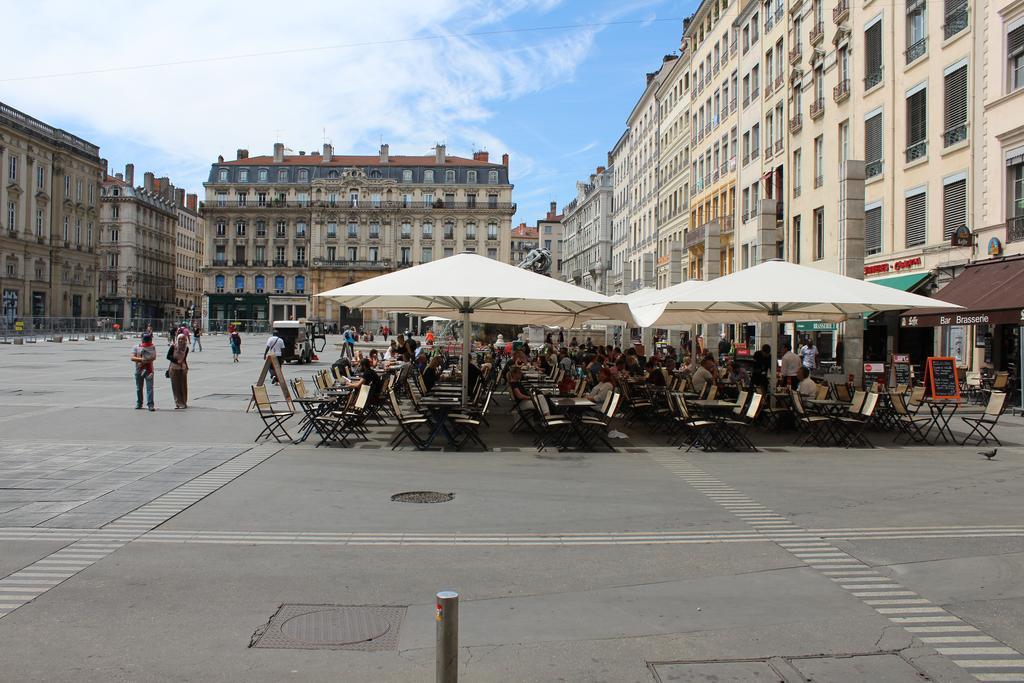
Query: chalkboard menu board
(901, 373)
(940, 378)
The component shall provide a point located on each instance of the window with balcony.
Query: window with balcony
(300, 229)
(332, 230)
(917, 123)
(873, 228)
(449, 230)
(353, 199)
(279, 284)
(819, 161)
(796, 239)
(917, 217)
(798, 165)
(954, 204)
(222, 199)
(300, 256)
(353, 254)
(955, 105)
(260, 255)
(470, 232)
(282, 229)
(300, 284)
(218, 284)
(39, 222)
(303, 199)
(279, 257)
(917, 30)
(428, 231)
(492, 231)
(239, 284)
(259, 283)
(375, 200)
(353, 230)
(405, 256)
(374, 231)
(426, 254)
(956, 18)
(240, 227)
(222, 229)
(428, 200)
(873, 145)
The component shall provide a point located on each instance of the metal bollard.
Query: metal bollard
(447, 618)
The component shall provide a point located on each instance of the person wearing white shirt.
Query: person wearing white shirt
(703, 375)
(790, 365)
(806, 388)
(810, 356)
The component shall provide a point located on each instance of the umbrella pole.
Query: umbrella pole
(774, 354)
(466, 339)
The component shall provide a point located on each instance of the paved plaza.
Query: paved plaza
(139, 546)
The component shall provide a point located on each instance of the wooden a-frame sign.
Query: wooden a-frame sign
(940, 378)
(271, 365)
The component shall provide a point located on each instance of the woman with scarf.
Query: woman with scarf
(178, 371)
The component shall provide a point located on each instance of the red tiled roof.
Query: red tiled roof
(111, 180)
(337, 160)
(525, 231)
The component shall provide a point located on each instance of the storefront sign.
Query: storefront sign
(897, 266)
(874, 368)
(1006, 316)
(815, 326)
(995, 247)
(901, 358)
(961, 237)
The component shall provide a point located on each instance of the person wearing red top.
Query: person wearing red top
(143, 356)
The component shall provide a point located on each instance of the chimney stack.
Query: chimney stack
(439, 155)
(553, 211)
(165, 187)
(103, 167)
(179, 196)
(328, 152)
(192, 201)
(242, 154)
(504, 160)
(220, 158)
(600, 170)
(148, 183)
(119, 176)
(385, 153)
(278, 152)
(129, 174)
(481, 156)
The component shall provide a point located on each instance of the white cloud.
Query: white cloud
(411, 94)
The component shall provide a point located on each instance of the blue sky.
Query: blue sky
(555, 100)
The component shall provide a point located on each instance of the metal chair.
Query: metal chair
(273, 419)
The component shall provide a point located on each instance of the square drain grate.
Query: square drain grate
(332, 627)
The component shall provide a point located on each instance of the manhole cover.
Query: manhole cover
(331, 627)
(422, 497)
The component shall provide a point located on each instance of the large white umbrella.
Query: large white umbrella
(776, 290)
(479, 289)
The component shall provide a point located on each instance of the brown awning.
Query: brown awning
(991, 293)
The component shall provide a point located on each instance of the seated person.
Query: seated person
(604, 387)
(517, 391)
(707, 372)
(655, 376)
(805, 385)
(737, 375)
(432, 372)
(369, 377)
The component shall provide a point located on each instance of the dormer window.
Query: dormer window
(407, 176)
(263, 175)
(449, 176)
(470, 176)
(303, 175)
(428, 175)
(282, 176)
(492, 177)
(223, 175)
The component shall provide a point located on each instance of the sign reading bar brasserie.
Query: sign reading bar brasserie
(1006, 316)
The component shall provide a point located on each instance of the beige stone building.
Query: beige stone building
(523, 241)
(138, 226)
(643, 181)
(49, 211)
(587, 232)
(189, 245)
(674, 171)
(714, 87)
(282, 228)
(618, 162)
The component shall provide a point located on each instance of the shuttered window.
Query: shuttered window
(873, 230)
(954, 207)
(916, 219)
(956, 98)
(872, 52)
(1015, 57)
(1015, 42)
(917, 117)
(873, 138)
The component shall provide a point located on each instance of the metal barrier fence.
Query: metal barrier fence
(29, 330)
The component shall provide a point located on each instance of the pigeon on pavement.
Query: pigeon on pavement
(989, 454)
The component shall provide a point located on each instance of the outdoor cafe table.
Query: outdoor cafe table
(574, 409)
(716, 410)
(315, 406)
(942, 411)
(827, 406)
(439, 407)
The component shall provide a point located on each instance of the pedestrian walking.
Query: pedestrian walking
(235, 340)
(196, 342)
(275, 347)
(178, 371)
(143, 355)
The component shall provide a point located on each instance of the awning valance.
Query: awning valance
(991, 293)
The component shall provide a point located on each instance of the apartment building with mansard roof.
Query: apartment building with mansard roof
(282, 228)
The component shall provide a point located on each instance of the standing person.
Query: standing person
(196, 333)
(179, 371)
(275, 347)
(350, 339)
(790, 366)
(235, 340)
(143, 356)
(810, 355)
(723, 346)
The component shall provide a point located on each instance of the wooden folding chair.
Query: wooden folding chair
(986, 422)
(273, 419)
